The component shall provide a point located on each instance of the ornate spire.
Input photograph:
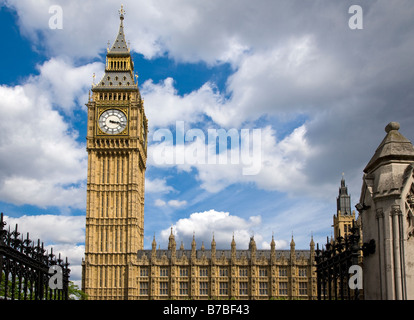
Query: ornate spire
(119, 70)
(312, 243)
(233, 242)
(193, 243)
(213, 242)
(120, 45)
(252, 243)
(343, 201)
(171, 241)
(213, 249)
(154, 244)
(121, 12)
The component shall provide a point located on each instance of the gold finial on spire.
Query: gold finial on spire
(121, 11)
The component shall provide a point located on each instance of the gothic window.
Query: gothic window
(203, 272)
(224, 272)
(184, 288)
(283, 286)
(282, 272)
(203, 288)
(183, 272)
(223, 288)
(262, 272)
(163, 272)
(243, 272)
(303, 288)
(144, 272)
(263, 288)
(243, 289)
(302, 272)
(163, 288)
(143, 288)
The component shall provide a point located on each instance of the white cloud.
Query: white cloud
(281, 162)
(164, 106)
(160, 203)
(51, 229)
(177, 203)
(43, 164)
(312, 64)
(65, 85)
(157, 186)
(171, 203)
(222, 224)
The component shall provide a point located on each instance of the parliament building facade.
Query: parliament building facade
(116, 266)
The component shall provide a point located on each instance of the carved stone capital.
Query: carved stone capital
(379, 213)
(395, 210)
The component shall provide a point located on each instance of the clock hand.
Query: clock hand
(111, 121)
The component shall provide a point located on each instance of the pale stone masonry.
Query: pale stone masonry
(387, 216)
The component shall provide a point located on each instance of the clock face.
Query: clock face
(112, 121)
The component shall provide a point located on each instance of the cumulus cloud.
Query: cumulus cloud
(43, 164)
(279, 162)
(157, 186)
(65, 85)
(165, 106)
(311, 65)
(224, 225)
(51, 229)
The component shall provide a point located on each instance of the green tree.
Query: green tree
(75, 293)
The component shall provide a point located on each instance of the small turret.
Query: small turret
(213, 249)
(171, 241)
(193, 247)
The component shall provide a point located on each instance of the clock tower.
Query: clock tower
(117, 153)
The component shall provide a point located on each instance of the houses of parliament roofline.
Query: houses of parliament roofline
(226, 274)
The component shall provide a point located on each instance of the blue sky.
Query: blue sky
(320, 93)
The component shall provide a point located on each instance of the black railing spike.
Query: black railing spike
(2, 223)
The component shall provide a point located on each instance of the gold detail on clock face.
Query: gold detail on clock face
(113, 121)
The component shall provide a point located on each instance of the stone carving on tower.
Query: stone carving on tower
(386, 211)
